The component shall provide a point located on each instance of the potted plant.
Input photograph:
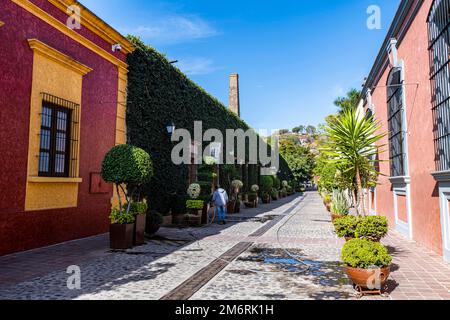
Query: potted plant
(372, 228)
(327, 202)
(179, 209)
(121, 229)
(367, 263)
(345, 227)
(252, 200)
(154, 222)
(128, 167)
(339, 205)
(194, 216)
(139, 210)
(274, 194)
(266, 188)
(236, 186)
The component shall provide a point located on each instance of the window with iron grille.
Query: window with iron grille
(58, 137)
(439, 41)
(397, 154)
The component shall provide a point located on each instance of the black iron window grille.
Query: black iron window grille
(58, 137)
(397, 155)
(439, 41)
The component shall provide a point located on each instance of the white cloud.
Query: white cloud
(175, 29)
(196, 66)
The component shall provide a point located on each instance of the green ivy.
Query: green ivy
(159, 93)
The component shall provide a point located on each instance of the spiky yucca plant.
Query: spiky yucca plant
(340, 204)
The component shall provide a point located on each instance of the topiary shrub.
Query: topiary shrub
(372, 228)
(194, 204)
(130, 166)
(154, 218)
(266, 183)
(365, 254)
(346, 226)
(276, 182)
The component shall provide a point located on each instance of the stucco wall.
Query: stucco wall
(413, 50)
(21, 230)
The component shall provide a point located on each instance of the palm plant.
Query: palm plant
(351, 145)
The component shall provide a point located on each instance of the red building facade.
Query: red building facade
(408, 90)
(62, 107)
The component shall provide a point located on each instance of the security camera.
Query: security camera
(116, 47)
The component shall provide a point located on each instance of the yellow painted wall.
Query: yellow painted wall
(61, 76)
(121, 130)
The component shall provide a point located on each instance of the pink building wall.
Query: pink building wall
(424, 195)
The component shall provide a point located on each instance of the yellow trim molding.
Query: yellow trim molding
(61, 76)
(58, 57)
(54, 180)
(2, 24)
(58, 25)
(96, 25)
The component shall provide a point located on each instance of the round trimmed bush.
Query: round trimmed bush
(266, 183)
(126, 164)
(365, 254)
(346, 226)
(372, 228)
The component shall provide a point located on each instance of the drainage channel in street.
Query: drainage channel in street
(193, 284)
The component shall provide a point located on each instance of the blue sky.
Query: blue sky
(294, 57)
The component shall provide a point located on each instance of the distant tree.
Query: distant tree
(283, 131)
(296, 130)
(311, 130)
(299, 130)
(350, 102)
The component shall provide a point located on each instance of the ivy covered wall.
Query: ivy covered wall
(158, 93)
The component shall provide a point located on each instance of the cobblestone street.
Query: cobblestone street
(285, 250)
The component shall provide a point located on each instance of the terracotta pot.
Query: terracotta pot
(364, 278)
(335, 216)
(266, 200)
(230, 207)
(349, 238)
(167, 221)
(139, 230)
(178, 219)
(121, 236)
(152, 229)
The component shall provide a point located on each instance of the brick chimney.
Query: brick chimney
(235, 105)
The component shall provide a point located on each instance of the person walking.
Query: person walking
(220, 200)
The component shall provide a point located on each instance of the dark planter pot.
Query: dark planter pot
(194, 219)
(274, 198)
(266, 200)
(167, 221)
(237, 207)
(178, 219)
(205, 210)
(121, 236)
(139, 230)
(152, 229)
(364, 278)
(230, 207)
(251, 204)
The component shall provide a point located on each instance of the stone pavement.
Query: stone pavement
(285, 250)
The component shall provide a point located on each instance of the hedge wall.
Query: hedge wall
(159, 93)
